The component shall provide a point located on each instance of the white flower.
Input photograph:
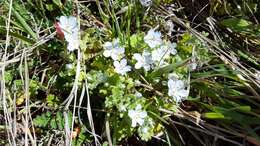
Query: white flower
(138, 94)
(159, 54)
(114, 50)
(163, 52)
(73, 45)
(69, 66)
(146, 3)
(121, 67)
(153, 38)
(69, 27)
(137, 115)
(144, 60)
(193, 65)
(177, 89)
(172, 47)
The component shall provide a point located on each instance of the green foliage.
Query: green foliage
(95, 78)
(242, 26)
(48, 120)
(137, 104)
(42, 120)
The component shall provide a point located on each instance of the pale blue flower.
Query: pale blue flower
(138, 94)
(176, 89)
(146, 3)
(143, 60)
(138, 115)
(121, 67)
(69, 66)
(69, 27)
(113, 50)
(160, 54)
(172, 48)
(153, 38)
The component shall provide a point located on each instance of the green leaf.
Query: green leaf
(60, 120)
(53, 124)
(50, 97)
(49, 7)
(135, 40)
(42, 120)
(243, 108)
(57, 3)
(22, 38)
(8, 76)
(25, 25)
(239, 25)
(212, 115)
(167, 69)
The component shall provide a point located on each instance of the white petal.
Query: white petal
(125, 70)
(133, 123)
(173, 76)
(120, 50)
(116, 64)
(128, 68)
(147, 67)
(193, 66)
(131, 113)
(123, 62)
(144, 130)
(107, 53)
(69, 66)
(140, 121)
(170, 93)
(108, 45)
(72, 21)
(184, 93)
(173, 51)
(143, 114)
(68, 36)
(116, 42)
(138, 65)
(179, 84)
(138, 107)
(146, 3)
(137, 56)
(171, 88)
(71, 47)
(170, 83)
(114, 55)
(63, 20)
(153, 38)
(138, 94)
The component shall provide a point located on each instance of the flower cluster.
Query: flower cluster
(116, 52)
(68, 26)
(161, 50)
(151, 53)
(155, 55)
